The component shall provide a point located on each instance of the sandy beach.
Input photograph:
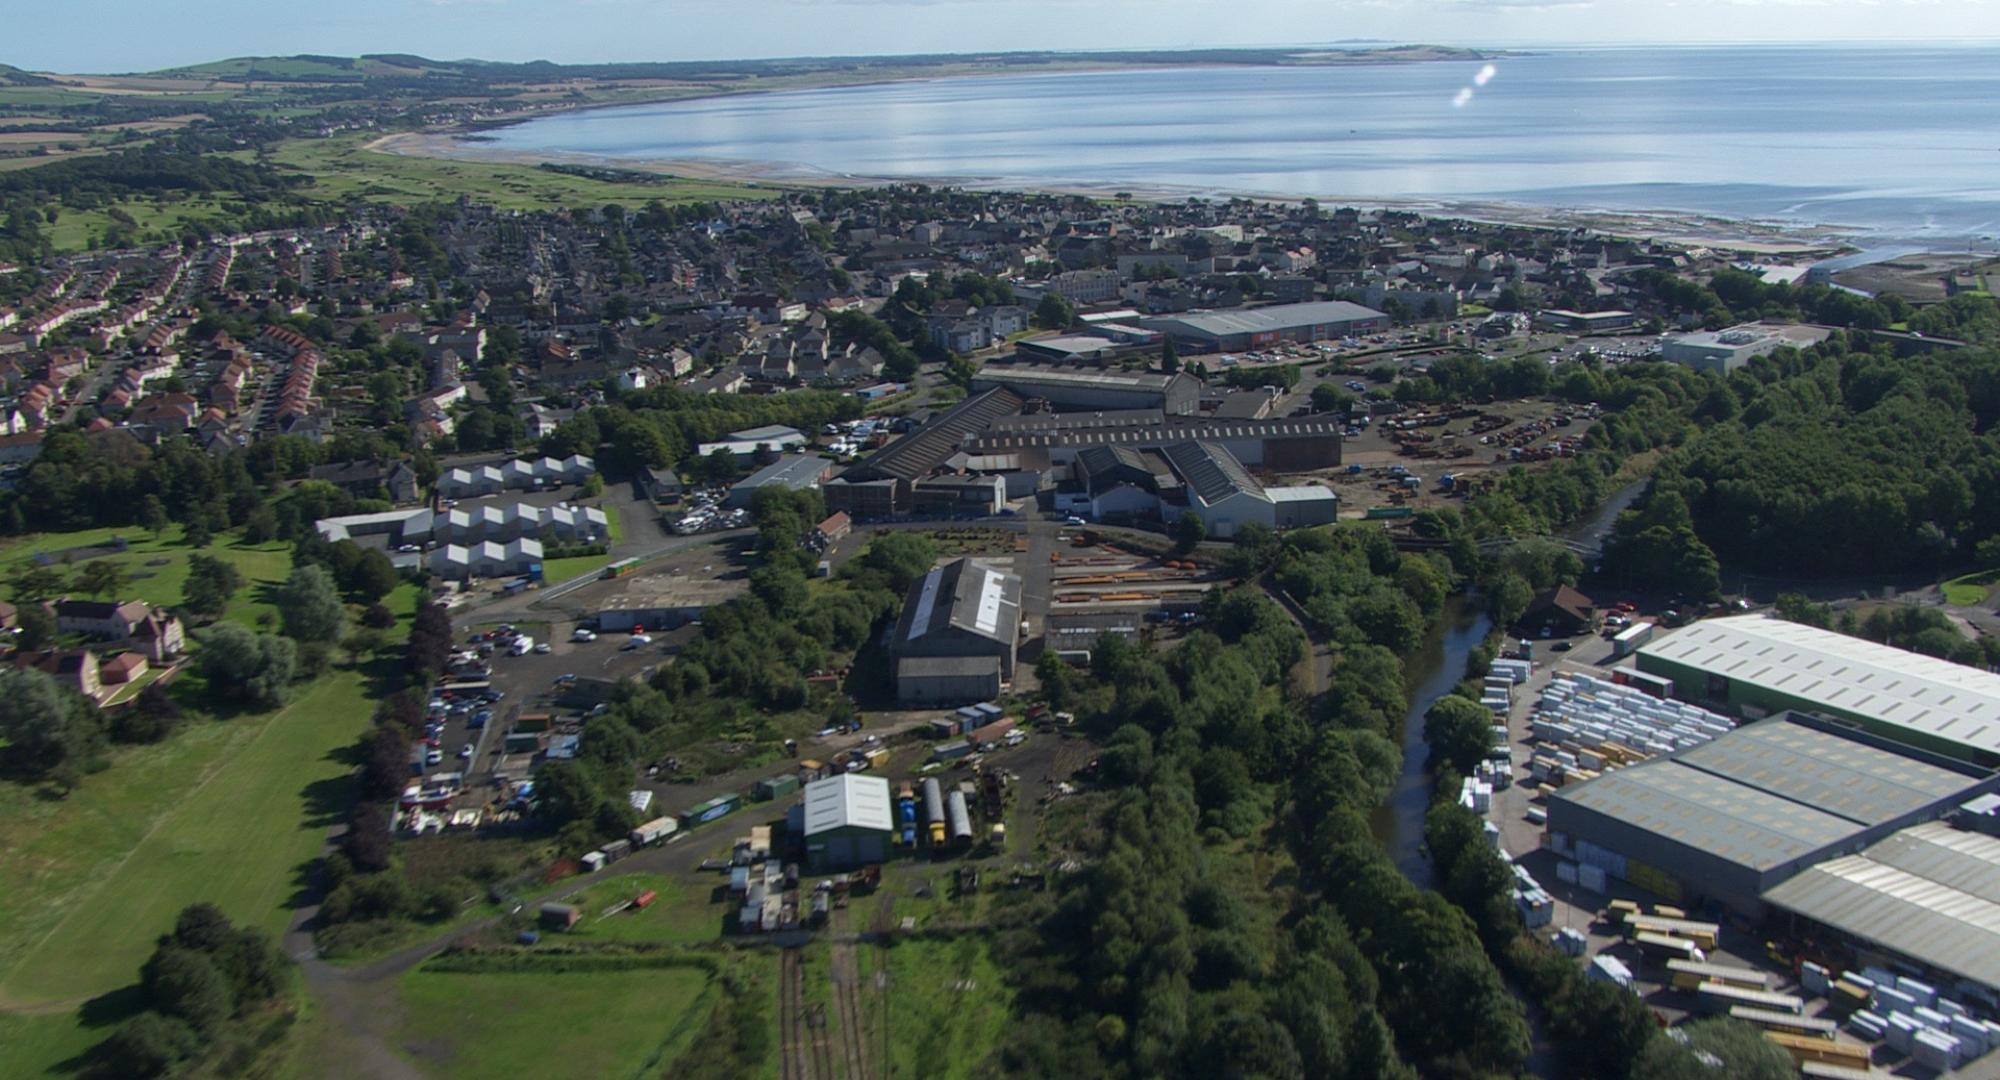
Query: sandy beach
(1695, 230)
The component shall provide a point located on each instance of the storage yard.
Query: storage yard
(1794, 871)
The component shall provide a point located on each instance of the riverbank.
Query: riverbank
(1666, 226)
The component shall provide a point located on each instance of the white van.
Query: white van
(521, 645)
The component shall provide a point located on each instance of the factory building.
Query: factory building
(1729, 819)
(1227, 497)
(468, 483)
(1256, 328)
(746, 443)
(1279, 445)
(1723, 351)
(881, 485)
(797, 472)
(848, 822)
(1072, 388)
(1926, 898)
(955, 638)
(559, 524)
(1756, 666)
(1586, 322)
(489, 559)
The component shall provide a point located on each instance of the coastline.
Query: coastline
(1686, 228)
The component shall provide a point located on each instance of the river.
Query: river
(1432, 671)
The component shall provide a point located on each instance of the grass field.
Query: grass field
(343, 167)
(157, 567)
(683, 915)
(947, 1005)
(1972, 589)
(229, 812)
(74, 229)
(579, 1023)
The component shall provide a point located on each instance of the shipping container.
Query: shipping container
(1805, 1049)
(1631, 638)
(714, 808)
(934, 810)
(1701, 933)
(1665, 946)
(645, 899)
(559, 916)
(593, 862)
(951, 750)
(654, 831)
(616, 850)
(775, 787)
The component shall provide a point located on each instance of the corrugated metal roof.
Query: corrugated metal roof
(846, 801)
(1892, 686)
(1212, 472)
(974, 598)
(1267, 319)
(1729, 820)
(920, 453)
(1850, 779)
(1926, 892)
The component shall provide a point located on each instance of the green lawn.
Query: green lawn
(557, 571)
(38, 1045)
(228, 812)
(157, 567)
(578, 1023)
(74, 229)
(343, 167)
(1972, 589)
(683, 914)
(947, 1006)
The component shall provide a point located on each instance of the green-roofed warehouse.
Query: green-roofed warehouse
(1757, 666)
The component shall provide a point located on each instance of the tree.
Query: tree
(211, 583)
(33, 584)
(430, 641)
(185, 984)
(593, 486)
(564, 793)
(148, 1045)
(1459, 731)
(1054, 313)
(37, 627)
(151, 718)
(370, 576)
(310, 607)
(1736, 1049)
(1054, 675)
(153, 515)
(100, 578)
(1170, 357)
(365, 641)
(243, 664)
(46, 725)
(378, 617)
(1189, 532)
(197, 534)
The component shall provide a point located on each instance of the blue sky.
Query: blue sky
(139, 35)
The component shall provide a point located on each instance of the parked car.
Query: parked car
(543, 649)
(636, 641)
(1073, 520)
(583, 635)
(465, 751)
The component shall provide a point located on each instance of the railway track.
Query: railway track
(791, 1018)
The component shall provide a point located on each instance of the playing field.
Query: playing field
(157, 567)
(550, 1023)
(228, 812)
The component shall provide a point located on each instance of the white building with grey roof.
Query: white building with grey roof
(955, 639)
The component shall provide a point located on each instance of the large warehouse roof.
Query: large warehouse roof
(1927, 892)
(848, 801)
(1740, 824)
(1012, 375)
(1891, 686)
(976, 599)
(1772, 791)
(1267, 319)
(1211, 471)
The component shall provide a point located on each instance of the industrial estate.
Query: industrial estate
(467, 619)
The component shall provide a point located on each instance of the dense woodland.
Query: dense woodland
(1828, 462)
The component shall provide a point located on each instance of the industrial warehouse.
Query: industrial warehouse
(1728, 819)
(955, 639)
(1253, 328)
(1852, 816)
(1757, 666)
(993, 433)
(1081, 388)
